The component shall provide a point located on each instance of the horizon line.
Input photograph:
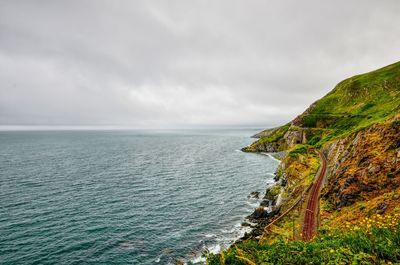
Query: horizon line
(123, 128)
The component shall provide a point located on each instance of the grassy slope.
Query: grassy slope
(375, 241)
(355, 103)
(268, 136)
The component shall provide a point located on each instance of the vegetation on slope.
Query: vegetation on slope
(352, 105)
(374, 241)
(295, 175)
(357, 126)
(293, 178)
(355, 103)
(271, 136)
(369, 167)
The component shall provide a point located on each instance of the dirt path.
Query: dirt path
(310, 216)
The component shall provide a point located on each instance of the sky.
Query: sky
(183, 64)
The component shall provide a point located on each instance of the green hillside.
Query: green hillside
(355, 103)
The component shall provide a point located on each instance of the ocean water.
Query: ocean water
(124, 197)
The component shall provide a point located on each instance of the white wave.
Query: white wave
(228, 231)
(268, 209)
(244, 230)
(197, 259)
(215, 248)
(224, 242)
(212, 249)
(252, 205)
(270, 156)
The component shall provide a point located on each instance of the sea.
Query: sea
(125, 196)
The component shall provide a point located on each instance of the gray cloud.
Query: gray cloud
(183, 63)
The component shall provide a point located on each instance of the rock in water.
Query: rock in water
(255, 194)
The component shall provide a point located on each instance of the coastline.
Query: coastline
(251, 225)
(268, 207)
(355, 139)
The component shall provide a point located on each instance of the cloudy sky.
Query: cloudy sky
(172, 64)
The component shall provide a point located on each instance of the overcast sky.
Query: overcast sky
(170, 64)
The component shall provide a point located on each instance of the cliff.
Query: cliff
(356, 127)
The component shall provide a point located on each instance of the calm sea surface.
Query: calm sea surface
(124, 197)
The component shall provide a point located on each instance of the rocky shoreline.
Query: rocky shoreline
(269, 207)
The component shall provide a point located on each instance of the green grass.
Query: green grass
(272, 135)
(352, 105)
(299, 149)
(377, 246)
(276, 135)
(356, 103)
(314, 140)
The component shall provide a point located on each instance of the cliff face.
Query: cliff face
(278, 139)
(364, 165)
(357, 126)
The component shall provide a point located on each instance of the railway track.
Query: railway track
(310, 216)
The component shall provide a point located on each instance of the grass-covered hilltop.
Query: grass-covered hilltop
(353, 132)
